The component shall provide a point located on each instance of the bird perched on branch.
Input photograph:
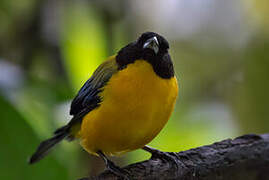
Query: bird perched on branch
(124, 104)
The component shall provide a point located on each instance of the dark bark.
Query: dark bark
(245, 157)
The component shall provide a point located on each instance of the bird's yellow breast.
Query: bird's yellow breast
(136, 104)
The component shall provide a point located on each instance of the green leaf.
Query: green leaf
(18, 141)
(83, 42)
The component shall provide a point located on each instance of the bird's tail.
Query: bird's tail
(48, 144)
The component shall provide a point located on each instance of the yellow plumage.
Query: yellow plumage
(136, 104)
(123, 105)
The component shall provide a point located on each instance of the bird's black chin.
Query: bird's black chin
(162, 64)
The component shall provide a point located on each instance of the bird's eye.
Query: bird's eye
(153, 44)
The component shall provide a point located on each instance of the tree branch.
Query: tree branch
(245, 157)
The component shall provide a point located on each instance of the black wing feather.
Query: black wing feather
(86, 100)
(87, 96)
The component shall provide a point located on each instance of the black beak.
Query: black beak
(153, 44)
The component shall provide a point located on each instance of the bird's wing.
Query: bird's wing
(87, 98)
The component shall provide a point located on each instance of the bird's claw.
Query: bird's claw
(84, 178)
(118, 171)
(168, 157)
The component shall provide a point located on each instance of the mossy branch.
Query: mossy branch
(245, 157)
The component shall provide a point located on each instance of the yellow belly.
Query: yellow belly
(136, 105)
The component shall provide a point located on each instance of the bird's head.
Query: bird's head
(152, 44)
(150, 47)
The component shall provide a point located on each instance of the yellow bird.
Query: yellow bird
(125, 103)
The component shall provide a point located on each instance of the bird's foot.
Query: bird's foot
(165, 156)
(113, 168)
(110, 166)
(117, 170)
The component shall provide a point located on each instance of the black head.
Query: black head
(150, 47)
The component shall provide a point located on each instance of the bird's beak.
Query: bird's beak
(153, 44)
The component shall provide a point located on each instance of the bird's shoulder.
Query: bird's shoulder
(88, 98)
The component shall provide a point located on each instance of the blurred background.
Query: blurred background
(48, 49)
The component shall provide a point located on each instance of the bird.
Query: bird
(124, 104)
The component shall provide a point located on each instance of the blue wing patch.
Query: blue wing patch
(87, 97)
